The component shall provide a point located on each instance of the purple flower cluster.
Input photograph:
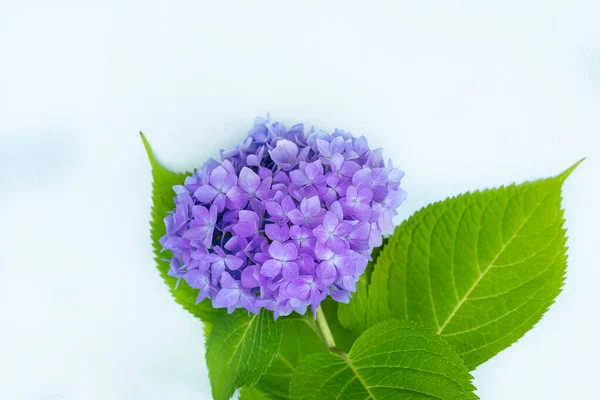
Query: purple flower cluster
(285, 220)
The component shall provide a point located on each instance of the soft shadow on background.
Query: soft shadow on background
(461, 97)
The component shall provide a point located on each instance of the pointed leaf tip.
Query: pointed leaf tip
(565, 174)
(149, 152)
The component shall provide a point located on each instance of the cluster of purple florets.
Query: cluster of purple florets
(285, 220)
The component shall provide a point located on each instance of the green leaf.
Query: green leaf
(240, 349)
(253, 393)
(344, 337)
(392, 360)
(300, 338)
(353, 315)
(162, 203)
(479, 269)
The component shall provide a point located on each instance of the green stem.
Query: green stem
(324, 328)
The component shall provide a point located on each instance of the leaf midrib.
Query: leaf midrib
(490, 265)
(355, 371)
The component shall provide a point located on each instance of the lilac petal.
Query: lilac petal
(178, 189)
(219, 251)
(213, 214)
(285, 154)
(346, 262)
(296, 217)
(238, 197)
(219, 201)
(249, 303)
(330, 221)
(226, 298)
(185, 198)
(313, 170)
(175, 269)
(201, 214)
(265, 173)
(299, 178)
(321, 234)
(359, 231)
(361, 146)
(230, 181)
(306, 263)
(228, 282)
(209, 236)
(362, 212)
(375, 238)
(205, 194)
(287, 204)
(299, 305)
(337, 160)
(248, 180)
(323, 253)
(196, 279)
(250, 277)
(276, 250)
(349, 169)
(235, 243)
(271, 268)
(312, 206)
(341, 296)
(258, 208)
(361, 264)
(336, 244)
(218, 176)
(303, 154)
(323, 147)
(181, 215)
(295, 232)
(281, 177)
(337, 145)
(249, 217)
(385, 223)
(169, 224)
(326, 273)
(290, 251)
(289, 270)
(264, 189)
(275, 210)
(244, 229)
(252, 160)
(203, 294)
(362, 177)
(396, 175)
(175, 242)
(196, 233)
(216, 270)
(380, 193)
(344, 228)
(365, 195)
(315, 299)
(300, 288)
(395, 198)
(233, 262)
(351, 193)
(199, 254)
(276, 232)
(290, 147)
(211, 258)
(336, 208)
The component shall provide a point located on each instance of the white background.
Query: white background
(461, 97)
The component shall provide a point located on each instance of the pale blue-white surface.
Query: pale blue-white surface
(461, 97)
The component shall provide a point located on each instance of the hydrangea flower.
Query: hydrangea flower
(284, 220)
